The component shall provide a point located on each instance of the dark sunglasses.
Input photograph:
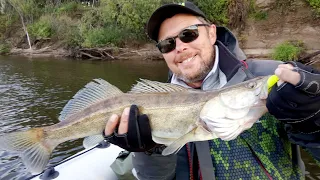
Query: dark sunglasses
(187, 35)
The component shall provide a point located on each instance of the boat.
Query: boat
(88, 164)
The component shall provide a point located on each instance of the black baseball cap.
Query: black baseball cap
(167, 11)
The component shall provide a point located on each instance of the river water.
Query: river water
(34, 91)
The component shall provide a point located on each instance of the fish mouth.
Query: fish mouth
(264, 89)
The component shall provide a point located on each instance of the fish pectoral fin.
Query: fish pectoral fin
(179, 143)
(164, 141)
(92, 141)
(199, 133)
(34, 149)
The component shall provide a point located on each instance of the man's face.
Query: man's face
(192, 61)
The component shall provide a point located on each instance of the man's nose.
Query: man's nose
(180, 46)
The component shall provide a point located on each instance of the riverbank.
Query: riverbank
(102, 54)
(147, 52)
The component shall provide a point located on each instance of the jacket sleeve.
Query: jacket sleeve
(308, 142)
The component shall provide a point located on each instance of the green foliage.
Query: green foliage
(3, 25)
(116, 22)
(105, 36)
(73, 37)
(68, 7)
(43, 28)
(4, 48)
(7, 24)
(28, 8)
(215, 10)
(315, 4)
(128, 14)
(59, 27)
(256, 13)
(66, 30)
(288, 51)
(71, 8)
(93, 18)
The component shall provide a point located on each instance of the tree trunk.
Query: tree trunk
(25, 30)
(23, 25)
(2, 6)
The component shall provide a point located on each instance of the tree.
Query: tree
(20, 8)
(2, 6)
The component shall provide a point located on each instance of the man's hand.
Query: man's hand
(296, 98)
(286, 73)
(131, 131)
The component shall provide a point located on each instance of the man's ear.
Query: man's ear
(212, 34)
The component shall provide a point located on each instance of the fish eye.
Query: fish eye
(252, 85)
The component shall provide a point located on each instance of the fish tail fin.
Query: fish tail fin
(35, 151)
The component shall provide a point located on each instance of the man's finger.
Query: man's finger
(123, 127)
(286, 66)
(111, 124)
(287, 75)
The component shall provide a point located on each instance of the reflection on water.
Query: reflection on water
(33, 92)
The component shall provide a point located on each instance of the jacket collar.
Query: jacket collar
(228, 63)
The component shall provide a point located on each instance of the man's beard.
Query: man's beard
(204, 70)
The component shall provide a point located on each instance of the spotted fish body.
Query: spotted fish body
(176, 116)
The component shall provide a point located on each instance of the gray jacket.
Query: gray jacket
(156, 166)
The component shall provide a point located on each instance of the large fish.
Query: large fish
(174, 111)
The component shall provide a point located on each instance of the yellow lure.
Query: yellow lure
(272, 81)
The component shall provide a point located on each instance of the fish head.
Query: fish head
(236, 108)
(259, 87)
(253, 92)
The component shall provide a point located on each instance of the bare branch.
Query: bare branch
(19, 11)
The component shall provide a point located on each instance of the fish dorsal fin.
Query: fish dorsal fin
(147, 86)
(95, 91)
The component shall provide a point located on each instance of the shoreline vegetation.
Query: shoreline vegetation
(114, 29)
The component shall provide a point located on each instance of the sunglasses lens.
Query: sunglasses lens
(189, 35)
(167, 45)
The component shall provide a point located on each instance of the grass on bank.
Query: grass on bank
(315, 4)
(288, 51)
(4, 48)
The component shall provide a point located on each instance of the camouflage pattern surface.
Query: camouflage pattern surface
(266, 143)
